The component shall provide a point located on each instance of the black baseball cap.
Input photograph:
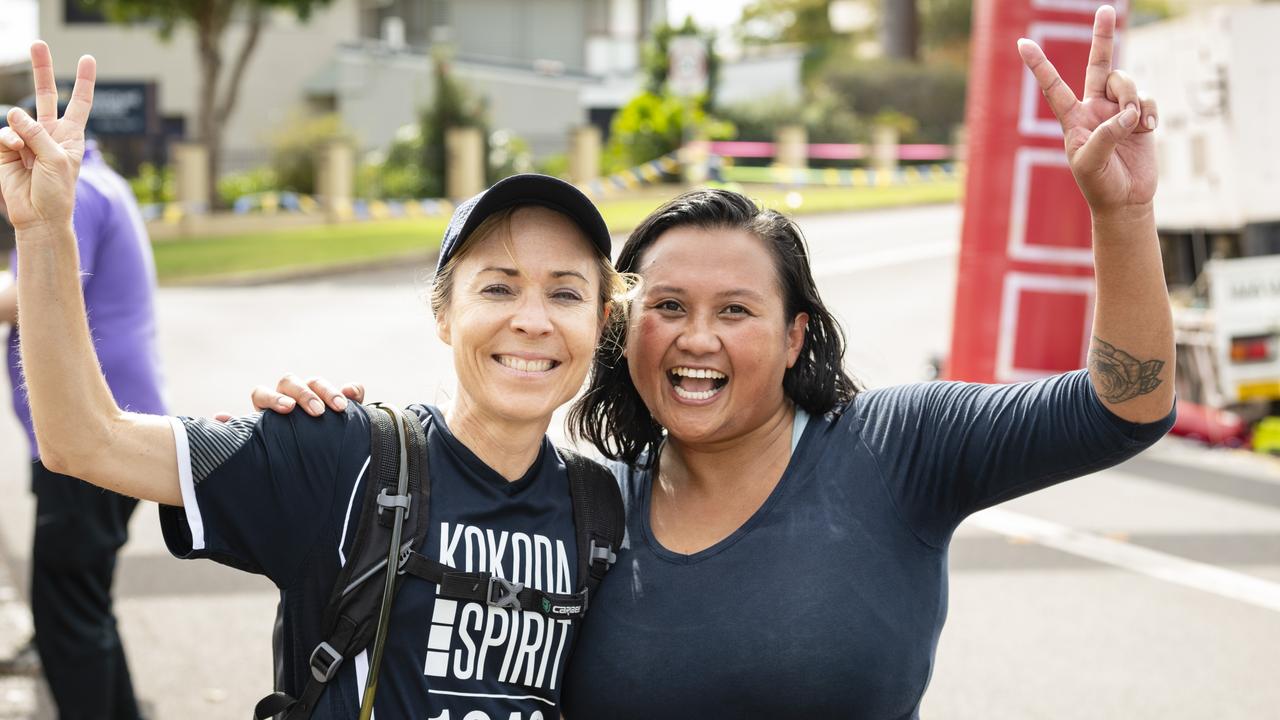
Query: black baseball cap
(525, 189)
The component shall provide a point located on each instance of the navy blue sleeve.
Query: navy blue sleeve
(947, 449)
(260, 491)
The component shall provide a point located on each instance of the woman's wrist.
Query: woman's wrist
(43, 233)
(1125, 216)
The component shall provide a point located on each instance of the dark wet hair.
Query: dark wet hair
(611, 414)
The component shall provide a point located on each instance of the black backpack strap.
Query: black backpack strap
(489, 589)
(351, 615)
(599, 523)
(598, 516)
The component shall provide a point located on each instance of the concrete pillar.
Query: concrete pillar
(884, 148)
(464, 165)
(191, 177)
(584, 154)
(695, 158)
(791, 147)
(335, 177)
(960, 144)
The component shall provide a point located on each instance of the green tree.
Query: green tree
(451, 106)
(803, 22)
(221, 69)
(945, 23)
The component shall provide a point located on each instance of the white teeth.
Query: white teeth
(698, 373)
(522, 365)
(704, 395)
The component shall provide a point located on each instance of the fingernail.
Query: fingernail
(340, 402)
(1132, 107)
(316, 406)
(1129, 117)
(285, 403)
(1151, 122)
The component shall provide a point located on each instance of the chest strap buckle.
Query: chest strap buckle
(503, 593)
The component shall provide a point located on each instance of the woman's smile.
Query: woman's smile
(697, 385)
(527, 366)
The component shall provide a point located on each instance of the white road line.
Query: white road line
(1170, 568)
(886, 258)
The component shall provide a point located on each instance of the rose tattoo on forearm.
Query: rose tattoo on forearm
(1121, 376)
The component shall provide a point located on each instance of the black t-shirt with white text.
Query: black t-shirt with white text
(280, 495)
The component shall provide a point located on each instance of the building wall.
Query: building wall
(750, 79)
(529, 30)
(288, 54)
(541, 110)
(379, 93)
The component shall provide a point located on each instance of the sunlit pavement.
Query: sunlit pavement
(1145, 591)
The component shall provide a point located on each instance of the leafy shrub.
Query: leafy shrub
(825, 119)
(235, 185)
(933, 95)
(556, 164)
(153, 184)
(508, 154)
(295, 149)
(650, 126)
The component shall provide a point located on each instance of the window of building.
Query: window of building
(79, 12)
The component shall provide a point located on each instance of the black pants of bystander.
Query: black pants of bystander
(79, 531)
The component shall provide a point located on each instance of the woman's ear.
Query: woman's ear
(442, 327)
(795, 337)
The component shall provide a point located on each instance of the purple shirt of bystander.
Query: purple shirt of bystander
(118, 275)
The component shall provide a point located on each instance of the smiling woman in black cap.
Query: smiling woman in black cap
(525, 290)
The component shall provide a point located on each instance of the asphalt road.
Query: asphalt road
(1152, 590)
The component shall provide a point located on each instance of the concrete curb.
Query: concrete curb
(285, 275)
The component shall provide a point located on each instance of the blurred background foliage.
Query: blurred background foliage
(850, 85)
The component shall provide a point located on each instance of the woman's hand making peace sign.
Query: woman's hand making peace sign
(40, 158)
(1108, 133)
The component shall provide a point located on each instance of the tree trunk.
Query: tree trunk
(214, 108)
(900, 29)
(210, 20)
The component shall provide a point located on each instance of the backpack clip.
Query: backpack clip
(502, 593)
(387, 501)
(324, 668)
(604, 553)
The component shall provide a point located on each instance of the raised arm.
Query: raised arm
(79, 428)
(1111, 150)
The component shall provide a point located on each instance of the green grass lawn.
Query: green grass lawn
(211, 258)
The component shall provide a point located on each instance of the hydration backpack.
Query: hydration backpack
(393, 521)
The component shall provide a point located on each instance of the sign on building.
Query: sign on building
(123, 109)
(687, 69)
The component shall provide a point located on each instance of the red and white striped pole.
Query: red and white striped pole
(1024, 294)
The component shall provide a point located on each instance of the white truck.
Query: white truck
(1216, 75)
